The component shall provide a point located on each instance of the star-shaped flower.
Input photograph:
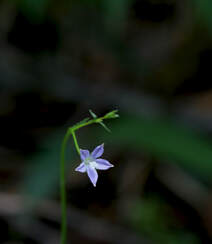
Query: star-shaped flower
(91, 162)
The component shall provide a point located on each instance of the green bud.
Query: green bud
(112, 115)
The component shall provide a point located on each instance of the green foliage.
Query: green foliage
(165, 140)
(203, 9)
(153, 217)
(34, 9)
(42, 175)
(116, 10)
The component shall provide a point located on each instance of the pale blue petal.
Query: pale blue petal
(92, 174)
(81, 168)
(102, 164)
(98, 151)
(84, 154)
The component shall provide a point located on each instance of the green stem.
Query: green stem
(63, 184)
(75, 142)
(71, 131)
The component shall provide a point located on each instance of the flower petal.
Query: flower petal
(98, 151)
(84, 154)
(92, 174)
(81, 168)
(103, 164)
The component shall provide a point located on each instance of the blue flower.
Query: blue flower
(91, 162)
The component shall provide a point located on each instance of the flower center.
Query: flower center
(88, 160)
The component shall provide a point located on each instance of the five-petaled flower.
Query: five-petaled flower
(91, 162)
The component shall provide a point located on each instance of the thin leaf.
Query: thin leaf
(92, 114)
(105, 127)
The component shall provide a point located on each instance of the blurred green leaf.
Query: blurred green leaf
(203, 9)
(153, 217)
(115, 12)
(42, 176)
(165, 140)
(35, 10)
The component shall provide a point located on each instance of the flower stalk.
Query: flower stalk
(89, 163)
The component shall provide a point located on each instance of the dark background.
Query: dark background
(151, 60)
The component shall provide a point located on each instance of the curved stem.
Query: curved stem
(75, 142)
(62, 189)
(63, 184)
(70, 131)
